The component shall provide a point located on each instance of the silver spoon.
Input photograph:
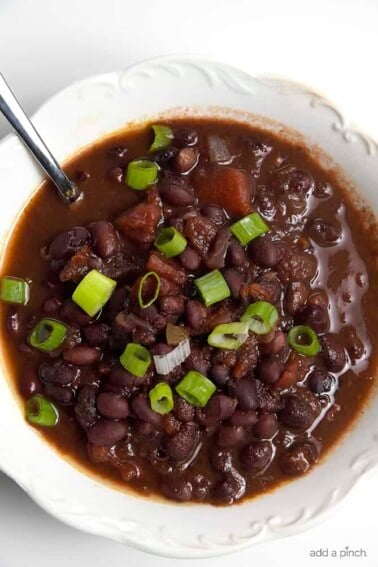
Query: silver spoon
(11, 109)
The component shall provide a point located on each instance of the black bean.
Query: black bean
(172, 305)
(324, 233)
(58, 372)
(231, 487)
(234, 280)
(59, 394)
(106, 432)
(220, 374)
(201, 487)
(30, 383)
(269, 398)
(221, 459)
(185, 136)
(105, 238)
(236, 255)
(183, 411)
(246, 394)
(181, 445)
(196, 314)
(276, 345)
(264, 252)
(67, 242)
(271, 286)
(321, 381)
(315, 316)
(177, 195)
(119, 377)
(266, 426)
(96, 334)
(333, 352)
(199, 359)
(51, 305)
(243, 418)
(219, 408)
(82, 355)
(98, 453)
(300, 410)
(190, 259)
(144, 428)
(269, 369)
(116, 174)
(185, 160)
(178, 489)
(296, 296)
(85, 408)
(299, 458)
(163, 157)
(229, 436)
(72, 313)
(142, 409)
(215, 259)
(256, 457)
(112, 405)
(216, 214)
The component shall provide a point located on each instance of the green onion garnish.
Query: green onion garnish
(195, 388)
(14, 290)
(141, 173)
(170, 242)
(212, 287)
(304, 340)
(249, 228)
(41, 411)
(93, 292)
(261, 316)
(229, 335)
(163, 136)
(142, 283)
(136, 359)
(161, 398)
(48, 335)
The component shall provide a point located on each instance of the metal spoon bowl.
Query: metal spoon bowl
(11, 109)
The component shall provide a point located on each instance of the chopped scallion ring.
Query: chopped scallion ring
(261, 316)
(141, 173)
(229, 336)
(136, 359)
(93, 292)
(48, 335)
(14, 290)
(304, 340)
(249, 228)
(41, 411)
(161, 398)
(212, 287)
(195, 388)
(162, 137)
(142, 284)
(170, 242)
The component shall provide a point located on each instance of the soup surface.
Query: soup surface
(131, 375)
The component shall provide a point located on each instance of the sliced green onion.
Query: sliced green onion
(212, 287)
(141, 173)
(142, 283)
(249, 228)
(229, 335)
(261, 316)
(93, 292)
(41, 411)
(161, 398)
(48, 335)
(14, 290)
(304, 340)
(136, 359)
(163, 136)
(195, 388)
(170, 242)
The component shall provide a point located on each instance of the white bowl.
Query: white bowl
(72, 119)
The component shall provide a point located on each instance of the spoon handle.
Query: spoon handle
(13, 112)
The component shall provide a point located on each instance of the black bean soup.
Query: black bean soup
(203, 323)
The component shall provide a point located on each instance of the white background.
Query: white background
(331, 45)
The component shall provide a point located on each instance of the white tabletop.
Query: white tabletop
(331, 46)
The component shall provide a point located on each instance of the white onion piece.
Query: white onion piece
(165, 363)
(218, 150)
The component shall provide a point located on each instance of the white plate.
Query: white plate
(70, 120)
